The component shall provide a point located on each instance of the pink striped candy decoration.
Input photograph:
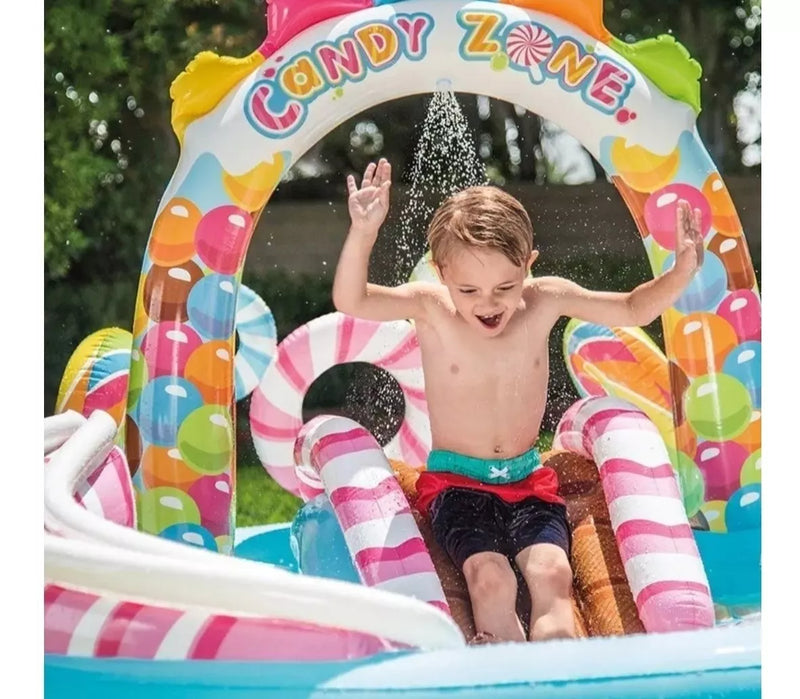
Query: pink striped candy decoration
(380, 531)
(82, 623)
(662, 562)
(528, 44)
(261, 95)
(276, 411)
(108, 490)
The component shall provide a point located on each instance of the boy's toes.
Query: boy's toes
(483, 638)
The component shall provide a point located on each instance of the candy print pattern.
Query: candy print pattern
(181, 390)
(712, 334)
(385, 544)
(255, 326)
(662, 562)
(528, 44)
(81, 623)
(325, 342)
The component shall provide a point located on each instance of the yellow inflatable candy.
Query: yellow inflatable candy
(96, 376)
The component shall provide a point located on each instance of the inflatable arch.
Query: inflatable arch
(243, 122)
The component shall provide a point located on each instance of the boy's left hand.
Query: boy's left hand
(689, 248)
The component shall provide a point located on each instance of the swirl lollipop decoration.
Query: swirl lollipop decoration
(528, 45)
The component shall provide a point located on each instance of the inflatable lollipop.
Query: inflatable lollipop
(528, 45)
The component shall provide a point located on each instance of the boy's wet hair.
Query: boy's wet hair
(484, 217)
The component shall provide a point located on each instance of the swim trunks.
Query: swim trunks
(496, 471)
(466, 522)
(512, 479)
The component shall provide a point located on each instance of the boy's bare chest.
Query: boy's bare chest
(460, 359)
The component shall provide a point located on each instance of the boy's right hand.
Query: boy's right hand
(369, 204)
(689, 246)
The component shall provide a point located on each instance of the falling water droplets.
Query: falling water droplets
(445, 162)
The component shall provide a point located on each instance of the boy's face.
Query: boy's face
(486, 287)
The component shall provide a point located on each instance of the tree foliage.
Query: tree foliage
(109, 148)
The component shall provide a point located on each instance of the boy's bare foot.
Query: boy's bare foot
(483, 638)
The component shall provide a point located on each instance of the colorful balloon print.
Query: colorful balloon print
(718, 406)
(744, 363)
(742, 309)
(165, 403)
(205, 439)
(172, 239)
(721, 464)
(661, 212)
(743, 510)
(708, 287)
(700, 343)
(222, 237)
(163, 507)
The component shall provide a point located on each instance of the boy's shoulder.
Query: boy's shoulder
(431, 294)
(546, 294)
(544, 286)
(427, 289)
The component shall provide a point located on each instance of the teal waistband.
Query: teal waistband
(485, 470)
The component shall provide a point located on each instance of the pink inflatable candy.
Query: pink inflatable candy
(276, 410)
(287, 18)
(380, 531)
(661, 559)
(81, 623)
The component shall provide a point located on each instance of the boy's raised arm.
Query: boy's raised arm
(368, 206)
(648, 300)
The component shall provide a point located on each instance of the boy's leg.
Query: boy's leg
(546, 569)
(541, 539)
(492, 588)
(466, 527)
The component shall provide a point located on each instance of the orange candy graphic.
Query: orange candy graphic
(750, 439)
(642, 169)
(724, 218)
(695, 335)
(163, 466)
(172, 239)
(209, 369)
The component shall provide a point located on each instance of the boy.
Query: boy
(483, 335)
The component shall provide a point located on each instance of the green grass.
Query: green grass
(260, 500)
(545, 441)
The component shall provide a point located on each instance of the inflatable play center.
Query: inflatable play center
(150, 589)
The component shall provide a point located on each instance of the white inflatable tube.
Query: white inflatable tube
(95, 553)
(59, 428)
(239, 587)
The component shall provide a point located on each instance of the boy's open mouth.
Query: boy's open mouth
(490, 321)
